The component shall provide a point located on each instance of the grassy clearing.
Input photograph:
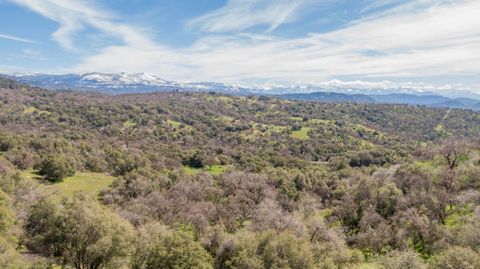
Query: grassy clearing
(91, 183)
(178, 126)
(31, 110)
(226, 119)
(425, 164)
(259, 130)
(212, 170)
(360, 127)
(295, 118)
(301, 134)
(440, 129)
(367, 131)
(174, 124)
(366, 145)
(437, 162)
(275, 129)
(129, 124)
(458, 215)
(217, 169)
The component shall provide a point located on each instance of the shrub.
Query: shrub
(286, 250)
(6, 142)
(159, 247)
(6, 213)
(56, 168)
(401, 260)
(80, 231)
(457, 258)
(240, 251)
(198, 159)
(9, 257)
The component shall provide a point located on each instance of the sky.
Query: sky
(425, 42)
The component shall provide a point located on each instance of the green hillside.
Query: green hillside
(198, 180)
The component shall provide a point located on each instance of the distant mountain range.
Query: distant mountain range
(330, 97)
(122, 83)
(332, 91)
(394, 98)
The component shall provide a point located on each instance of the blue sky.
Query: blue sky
(422, 42)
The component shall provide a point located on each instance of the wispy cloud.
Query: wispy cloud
(18, 39)
(418, 38)
(239, 15)
(74, 15)
(33, 55)
(378, 4)
(431, 41)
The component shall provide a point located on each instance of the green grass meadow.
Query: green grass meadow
(87, 182)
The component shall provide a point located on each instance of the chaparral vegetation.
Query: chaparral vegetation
(203, 180)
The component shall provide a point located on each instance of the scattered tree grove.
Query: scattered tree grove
(204, 180)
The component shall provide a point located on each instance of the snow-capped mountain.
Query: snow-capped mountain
(123, 79)
(144, 82)
(122, 83)
(372, 88)
(330, 91)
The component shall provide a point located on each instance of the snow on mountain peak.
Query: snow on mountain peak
(147, 82)
(124, 79)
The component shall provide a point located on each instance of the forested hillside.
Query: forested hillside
(202, 180)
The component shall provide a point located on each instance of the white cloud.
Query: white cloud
(371, 87)
(18, 39)
(422, 38)
(375, 4)
(74, 15)
(239, 15)
(436, 40)
(361, 85)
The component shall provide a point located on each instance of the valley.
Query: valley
(234, 181)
